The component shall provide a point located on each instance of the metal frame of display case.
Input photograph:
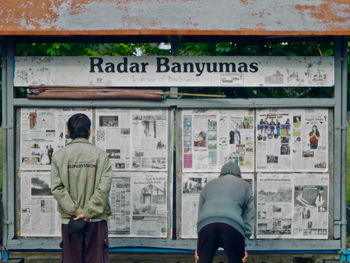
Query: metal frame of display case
(337, 156)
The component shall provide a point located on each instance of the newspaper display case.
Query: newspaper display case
(156, 187)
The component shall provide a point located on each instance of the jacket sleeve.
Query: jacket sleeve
(248, 214)
(100, 199)
(201, 201)
(61, 194)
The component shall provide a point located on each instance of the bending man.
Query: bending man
(225, 216)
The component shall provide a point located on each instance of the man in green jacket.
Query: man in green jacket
(81, 177)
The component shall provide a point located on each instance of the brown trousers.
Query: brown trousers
(88, 246)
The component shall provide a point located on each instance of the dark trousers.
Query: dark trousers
(216, 235)
(88, 246)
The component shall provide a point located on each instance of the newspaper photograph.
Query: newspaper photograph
(139, 205)
(292, 140)
(192, 184)
(211, 138)
(292, 206)
(43, 132)
(133, 139)
(39, 216)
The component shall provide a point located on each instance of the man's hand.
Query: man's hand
(196, 257)
(244, 259)
(81, 216)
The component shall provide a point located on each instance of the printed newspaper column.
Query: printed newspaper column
(39, 216)
(192, 184)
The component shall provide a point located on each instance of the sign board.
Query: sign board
(169, 71)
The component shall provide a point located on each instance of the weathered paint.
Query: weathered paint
(174, 17)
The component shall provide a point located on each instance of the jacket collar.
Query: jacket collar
(79, 140)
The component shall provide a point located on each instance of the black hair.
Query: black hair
(78, 126)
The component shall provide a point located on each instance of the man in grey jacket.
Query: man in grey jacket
(81, 178)
(225, 216)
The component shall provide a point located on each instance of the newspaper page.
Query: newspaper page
(310, 140)
(39, 216)
(43, 132)
(134, 139)
(274, 206)
(139, 205)
(211, 138)
(64, 115)
(311, 210)
(292, 206)
(192, 184)
(292, 140)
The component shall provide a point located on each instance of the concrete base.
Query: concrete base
(50, 257)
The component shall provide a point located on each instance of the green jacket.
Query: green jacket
(81, 177)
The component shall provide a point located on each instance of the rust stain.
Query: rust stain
(258, 14)
(328, 13)
(54, 17)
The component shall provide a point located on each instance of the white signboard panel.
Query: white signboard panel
(175, 71)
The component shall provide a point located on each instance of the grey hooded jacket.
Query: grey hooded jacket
(228, 200)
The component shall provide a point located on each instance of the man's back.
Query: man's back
(80, 166)
(224, 200)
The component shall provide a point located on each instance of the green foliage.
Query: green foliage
(90, 49)
(260, 49)
(74, 49)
